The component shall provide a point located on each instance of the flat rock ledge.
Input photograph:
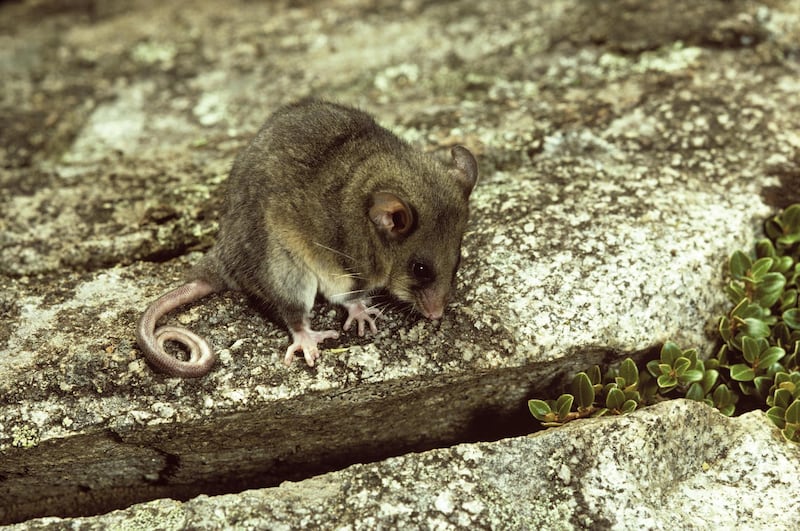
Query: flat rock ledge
(626, 149)
(678, 464)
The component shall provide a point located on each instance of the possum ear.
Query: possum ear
(391, 215)
(466, 171)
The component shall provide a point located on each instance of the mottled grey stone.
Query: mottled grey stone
(619, 169)
(676, 465)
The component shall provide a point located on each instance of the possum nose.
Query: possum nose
(434, 315)
(432, 303)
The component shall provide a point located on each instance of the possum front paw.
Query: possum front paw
(361, 313)
(306, 340)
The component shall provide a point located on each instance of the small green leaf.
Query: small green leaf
(669, 353)
(693, 375)
(788, 299)
(764, 248)
(782, 398)
(769, 289)
(777, 416)
(727, 410)
(742, 373)
(783, 264)
(770, 356)
(633, 395)
(750, 349)
(615, 399)
(595, 376)
(775, 368)
(653, 367)
(782, 377)
(772, 229)
(763, 345)
(791, 387)
(583, 389)
(600, 412)
(790, 218)
(735, 292)
(747, 388)
(649, 390)
(681, 365)
(723, 396)
(539, 409)
(762, 385)
(760, 268)
(722, 356)
(725, 329)
(794, 276)
(666, 383)
(740, 263)
(629, 406)
(629, 371)
(789, 239)
(709, 379)
(564, 405)
(792, 318)
(781, 334)
(795, 355)
(755, 328)
(793, 413)
(739, 309)
(695, 392)
(750, 309)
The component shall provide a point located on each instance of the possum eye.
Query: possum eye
(422, 272)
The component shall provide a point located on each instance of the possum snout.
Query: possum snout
(431, 302)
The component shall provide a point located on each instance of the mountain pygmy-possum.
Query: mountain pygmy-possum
(324, 200)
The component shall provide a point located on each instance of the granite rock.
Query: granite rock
(678, 464)
(619, 169)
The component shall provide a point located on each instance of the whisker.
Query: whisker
(376, 305)
(343, 293)
(334, 251)
(356, 276)
(408, 312)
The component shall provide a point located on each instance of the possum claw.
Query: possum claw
(361, 313)
(306, 340)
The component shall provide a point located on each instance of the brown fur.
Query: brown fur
(324, 199)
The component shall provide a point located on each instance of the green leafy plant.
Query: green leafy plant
(676, 368)
(759, 357)
(593, 396)
(760, 334)
(624, 388)
(784, 402)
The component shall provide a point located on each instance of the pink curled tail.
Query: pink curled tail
(151, 339)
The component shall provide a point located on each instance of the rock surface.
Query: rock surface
(678, 464)
(619, 168)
